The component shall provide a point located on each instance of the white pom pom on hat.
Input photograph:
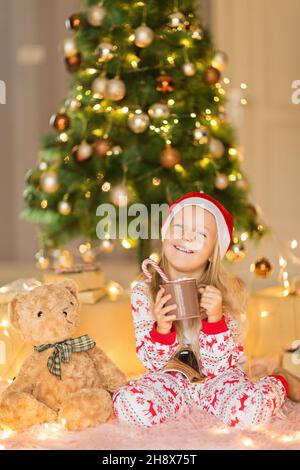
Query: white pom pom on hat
(224, 219)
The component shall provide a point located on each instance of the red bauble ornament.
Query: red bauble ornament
(211, 76)
(61, 122)
(165, 84)
(169, 157)
(73, 63)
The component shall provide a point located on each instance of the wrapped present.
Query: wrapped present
(92, 296)
(87, 277)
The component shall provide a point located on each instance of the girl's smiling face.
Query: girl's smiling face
(190, 239)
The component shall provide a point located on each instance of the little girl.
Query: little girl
(196, 234)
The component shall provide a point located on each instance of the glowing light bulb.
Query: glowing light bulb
(264, 314)
(247, 442)
(294, 244)
(243, 86)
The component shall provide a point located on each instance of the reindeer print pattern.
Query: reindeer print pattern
(227, 393)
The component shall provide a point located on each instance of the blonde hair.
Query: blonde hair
(232, 288)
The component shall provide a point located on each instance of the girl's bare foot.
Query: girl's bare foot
(293, 383)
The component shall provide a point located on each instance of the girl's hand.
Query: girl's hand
(164, 321)
(211, 300)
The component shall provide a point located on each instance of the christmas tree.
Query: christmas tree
(145, 119)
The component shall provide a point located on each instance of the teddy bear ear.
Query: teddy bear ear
(13, 310)
(71, 286)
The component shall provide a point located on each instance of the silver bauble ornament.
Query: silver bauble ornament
(70, 48)
(72, 104)
(143, 36)
(105, 51)
(64, 208)
(138, 123)
(49, 182)
(216, 148)
(201, 135)
(176, 20)
(221, 181)
(219, 61)
(189, 69)
(99, 87)
(159, 111)
(95, 15)
(115, 90)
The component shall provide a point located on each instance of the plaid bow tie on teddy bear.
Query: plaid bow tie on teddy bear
(63, 350)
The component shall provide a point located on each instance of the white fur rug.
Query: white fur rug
(194, 431)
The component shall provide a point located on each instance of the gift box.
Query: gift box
(87, 277)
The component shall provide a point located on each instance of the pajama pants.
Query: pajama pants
(230, 396)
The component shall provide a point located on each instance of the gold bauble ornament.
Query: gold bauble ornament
(220, 61)
(49, 182)
(189, 69)
(242, 184)
(159, 111)
(221, 181)
(263, 267)
(236, 252)
(165, 84)
(115, 90)
(99, 87)
(120, 195)
(143, 36)
(74, 23)
(216, 148)
(138, 123)
(176, 20)
(95, 15)
(197, 32)
(106, 246)
(70, 48)
(102, 146)
(88, 256)
(169, 157)
(61, 122)
(211, 76)
(65, 259)
(64, 208)
(83, 151)
(201, 135)
(105, 52)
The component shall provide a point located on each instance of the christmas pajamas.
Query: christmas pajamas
(227, 393)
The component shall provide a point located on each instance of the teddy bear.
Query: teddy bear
(65, 378)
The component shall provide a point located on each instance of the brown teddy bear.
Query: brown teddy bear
(64, 378)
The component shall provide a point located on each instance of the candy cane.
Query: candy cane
(155, 266)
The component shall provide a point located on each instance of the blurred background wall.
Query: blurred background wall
(260, 37)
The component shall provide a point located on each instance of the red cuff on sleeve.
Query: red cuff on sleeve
(215, 327)
(163, 338)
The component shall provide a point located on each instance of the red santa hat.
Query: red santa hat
(224, 219)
